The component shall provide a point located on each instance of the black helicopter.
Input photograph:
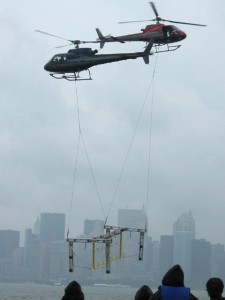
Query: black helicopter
(69, 65)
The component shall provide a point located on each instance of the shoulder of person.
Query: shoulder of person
(156, 296)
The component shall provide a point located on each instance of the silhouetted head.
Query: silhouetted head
(144, 293)
(174, 277)
(214, 287)
(73, 291)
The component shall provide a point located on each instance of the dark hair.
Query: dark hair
(214, 287)
(73, 291)
(174, 276)
(144, 293)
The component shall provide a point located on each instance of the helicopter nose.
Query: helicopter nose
(46, 67)
(182, 35)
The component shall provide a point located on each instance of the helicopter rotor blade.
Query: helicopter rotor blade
(136, 21)
(64, 46)
(72, 42)
(154, 9)
(158, 19)
(43, 32)
(185, 23)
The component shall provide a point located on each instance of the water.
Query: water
(47, 292)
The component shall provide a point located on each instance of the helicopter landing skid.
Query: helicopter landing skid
(70, 77)
(168, 48)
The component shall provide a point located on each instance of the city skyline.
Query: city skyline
(169, 230)
(45, 255)
(96, 226)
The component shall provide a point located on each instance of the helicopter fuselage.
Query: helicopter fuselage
(162, 34)
(80, 59)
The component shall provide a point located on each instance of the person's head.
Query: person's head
(73, 291)
(144, 293)
(214, 287)
(174, 276)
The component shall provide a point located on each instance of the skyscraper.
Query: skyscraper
(184, 233)
(218, 261)
(93, 227)
(9, 241)
(52, 227)
(200, 263)
(165, 254)
(133, 218)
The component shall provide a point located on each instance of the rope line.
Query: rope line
(81, 138)
(76, 162)
(150, 138)
(93, 177)
(131, 143)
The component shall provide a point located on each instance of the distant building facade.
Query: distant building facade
(133, 218)
(52, 227)
(9, 241)
(184, 234)
(200, 263)
(165, 254)
(93, 227)
(218, 261)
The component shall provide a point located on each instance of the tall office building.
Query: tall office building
(184, 233)
(9, 241)
(93, 227)
(52, 227)
(218, 261)
(133, 218)
(28, 247)
(32, 246)
(165, 254)
(37, 227)
(200, 263)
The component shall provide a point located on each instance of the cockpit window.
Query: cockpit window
(174, 27)
(58, 58)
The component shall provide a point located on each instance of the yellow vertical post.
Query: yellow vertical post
(121, 243)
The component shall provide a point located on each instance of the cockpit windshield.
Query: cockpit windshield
(72, 54)
(57, 58)
(173, 27)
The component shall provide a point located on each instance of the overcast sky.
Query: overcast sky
(39, 120)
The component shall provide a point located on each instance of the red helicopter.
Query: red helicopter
(162, 34)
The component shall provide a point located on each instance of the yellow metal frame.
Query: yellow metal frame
(100, 265)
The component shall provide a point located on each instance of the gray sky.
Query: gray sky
(39, 122)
